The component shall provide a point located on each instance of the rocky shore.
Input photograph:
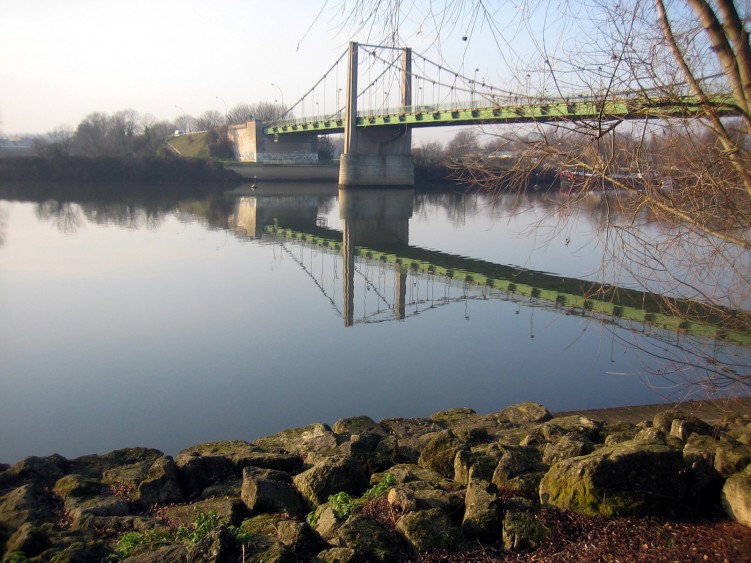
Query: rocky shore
(518, 484)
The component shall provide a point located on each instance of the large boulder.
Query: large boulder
(736, 496)
(482, 462)
(524, 413)
(374, 451)
(300, 538)
(218, 546)
(369, 539)
(331, 476)
(229, 511)
(554, 429)
(265, 490)
(160, 485)
(482, 517)
(520, 468)
(421, 495)
(410, 434)
(569, 445)
(30, 539)
(630, 478)
(439, 452)
(40, 470)
(521, 530)
(431, 529)
(313, 443)
(84, 496)
(358, 425)
(96, 465)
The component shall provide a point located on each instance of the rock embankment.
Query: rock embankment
(397, 490)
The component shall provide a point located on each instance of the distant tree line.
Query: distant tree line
(128, 133)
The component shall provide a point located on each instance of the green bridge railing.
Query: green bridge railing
(427, 116)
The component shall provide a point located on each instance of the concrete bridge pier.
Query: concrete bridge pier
(379, 156)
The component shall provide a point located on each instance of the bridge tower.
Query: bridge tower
(377, 156)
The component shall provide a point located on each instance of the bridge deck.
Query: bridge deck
(432, 116)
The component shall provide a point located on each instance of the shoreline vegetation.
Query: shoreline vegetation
(73, 177)
(645, 483)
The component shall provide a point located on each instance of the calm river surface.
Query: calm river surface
(170, 325)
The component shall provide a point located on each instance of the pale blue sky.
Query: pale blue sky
(60, 61)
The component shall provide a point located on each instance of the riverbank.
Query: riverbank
(518, 484)
(712, 412)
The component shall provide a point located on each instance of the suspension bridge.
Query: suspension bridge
(377, 94)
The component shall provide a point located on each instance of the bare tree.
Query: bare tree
(267, 111)
(680, 222)
(430, 154)
(465, 145)
(209, 119)
(91, 135)
(241, 113)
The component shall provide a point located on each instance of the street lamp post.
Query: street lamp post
(185, 119)
(225, 108)
(281, 94)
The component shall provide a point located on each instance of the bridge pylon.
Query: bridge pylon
(377, 156)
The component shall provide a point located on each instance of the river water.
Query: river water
(170, 324)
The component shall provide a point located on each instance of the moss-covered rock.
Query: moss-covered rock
(75, 485)
(229, 511)
(331, 476)
(736, 496)
(218, 546)
(481, 462)
(410, 434)
(613, 480)
(27, 503)
(554, 429)
(525, 413)
(30, 539)
(96, 465)
(370, 540)
(358, 425)
(161, 484)
(337, 555)
(431, 529)
(569, 445)
(270, 491)
(519, 469)
(522, 531)
(373, 451)
(300, 538)
(482, 517)
(439, 452)
(313, 443)
(40, 470)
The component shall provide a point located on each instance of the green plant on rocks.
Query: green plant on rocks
(342, 504)
(381, 487)
(205, 523)
(130, 541)
(15, 557)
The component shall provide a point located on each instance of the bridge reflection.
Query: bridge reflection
(373, 253)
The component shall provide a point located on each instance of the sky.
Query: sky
(61, 61)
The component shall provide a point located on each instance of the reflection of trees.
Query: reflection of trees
(65, 215)
(126, 215)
